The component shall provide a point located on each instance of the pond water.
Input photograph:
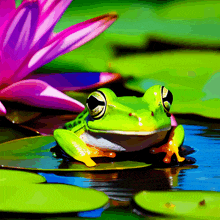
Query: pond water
(201, 134)
(204, 137)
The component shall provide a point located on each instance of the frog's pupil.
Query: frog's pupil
(92, 102)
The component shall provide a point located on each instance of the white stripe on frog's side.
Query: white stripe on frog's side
(100, 142)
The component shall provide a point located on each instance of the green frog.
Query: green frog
(112, 124)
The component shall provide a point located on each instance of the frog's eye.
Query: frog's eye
(167, 99)
(96, 104)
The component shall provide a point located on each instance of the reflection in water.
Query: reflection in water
(118, 185)
(174, 174)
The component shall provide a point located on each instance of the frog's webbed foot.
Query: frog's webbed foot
(77, 149)
(73, 146)
(175, 140)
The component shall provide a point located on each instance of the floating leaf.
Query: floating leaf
(189, 22)
(34, 153)
(187, 74)
(50, 198)
(190, 10)
(12, 177)
(198, 204)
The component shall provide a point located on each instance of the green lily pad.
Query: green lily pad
(191, 76)
(189, 22)
(9, 177)
(34, 153)
(198, 204)
(117, 165)
(190, 10)
(50, 198)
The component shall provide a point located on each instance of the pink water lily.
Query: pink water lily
(27, 42)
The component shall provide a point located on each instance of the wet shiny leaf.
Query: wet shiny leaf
(190, 75)
(12, 177)
(34, 153)
(50, 198)
(198, 204)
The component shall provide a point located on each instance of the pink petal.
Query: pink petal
(51, 12)
(77, 35)
(17, 39)
(40, 94)
(7, 10)
(49, 5)
(2, 109)
(173, 121)
(68, 40)
(76, 81)
(6, 7)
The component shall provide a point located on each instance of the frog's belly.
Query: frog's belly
(117, 142)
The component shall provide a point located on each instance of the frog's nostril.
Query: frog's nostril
(152, 114)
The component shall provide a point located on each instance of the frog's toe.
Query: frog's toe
(167, 159)
(169, 150)
(89, 162)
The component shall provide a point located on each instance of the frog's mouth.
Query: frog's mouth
(141, 133)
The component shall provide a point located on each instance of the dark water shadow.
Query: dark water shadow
(118, 185)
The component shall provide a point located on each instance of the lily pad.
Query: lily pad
(189, 22)
(190, 75)
(34, 153)
(198, 204)
(50, 198)
(190, 10)
(12, 177)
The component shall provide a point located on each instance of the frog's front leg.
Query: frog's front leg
(77, 148)
(175, 140)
